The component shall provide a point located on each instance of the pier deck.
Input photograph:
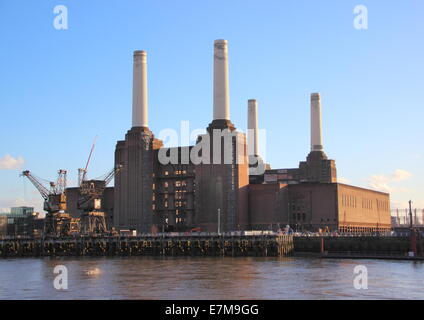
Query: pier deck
(263, 245)
(272, 245)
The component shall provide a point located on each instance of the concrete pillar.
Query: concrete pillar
(139, 105)
(252, 126)
(221, 91)
(316, 131)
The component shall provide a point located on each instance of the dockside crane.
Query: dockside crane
(82, 172)
(57, 221)
(93, 218)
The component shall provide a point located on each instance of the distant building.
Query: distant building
(20, 221)
(21, 211)
(3, 225)
(150, 195)
(320, 206)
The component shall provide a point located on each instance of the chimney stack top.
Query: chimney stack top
(220, 41)
(315, 96)
(140, 53)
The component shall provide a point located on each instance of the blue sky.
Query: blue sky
(61, 88)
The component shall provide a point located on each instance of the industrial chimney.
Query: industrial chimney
(316, 131)
(221, 91)
(252, 126)
(139, 105)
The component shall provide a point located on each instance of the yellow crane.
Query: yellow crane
(57, 221)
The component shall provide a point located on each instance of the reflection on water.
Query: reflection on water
(209, 278)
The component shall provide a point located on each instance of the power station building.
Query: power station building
(218, 185)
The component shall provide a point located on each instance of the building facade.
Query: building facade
(21, 221)
(213, 185)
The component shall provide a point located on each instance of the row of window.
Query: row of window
(179, 195)
(177, 220)
(351, 201)
(177, 184)
(176, 172)
(177, 211)
(382, 205)
(177, 204)
(362, 229)
(367, 204)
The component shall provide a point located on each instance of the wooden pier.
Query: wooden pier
(264, 245)
(360, 247)
(233, 246)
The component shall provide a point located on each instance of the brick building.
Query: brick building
(223, 191)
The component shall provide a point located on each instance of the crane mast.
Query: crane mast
(93, 218)
(61, 181)
(84, 171)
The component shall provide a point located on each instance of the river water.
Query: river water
(209, 278)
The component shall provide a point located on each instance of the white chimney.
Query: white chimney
(252, 126)
(139, 105)
(316, 131)
(221, 91)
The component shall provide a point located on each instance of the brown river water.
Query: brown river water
(209, 278)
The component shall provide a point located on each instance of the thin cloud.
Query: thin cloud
(384, 183)
(6, 204)
(416, 204)
(399, 204)
(10, 163)
(343, 180)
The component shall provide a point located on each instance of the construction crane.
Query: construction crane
(57, 221)
(82, 172)
(93, 218)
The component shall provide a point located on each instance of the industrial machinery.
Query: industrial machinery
(93, 218)
(57, 221)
